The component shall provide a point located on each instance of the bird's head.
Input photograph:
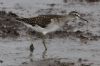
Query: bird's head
(74, 14)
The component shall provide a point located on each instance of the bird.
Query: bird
(45, 24)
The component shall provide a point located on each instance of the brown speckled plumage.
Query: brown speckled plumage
(42, 20)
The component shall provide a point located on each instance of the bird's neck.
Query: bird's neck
(61, 21)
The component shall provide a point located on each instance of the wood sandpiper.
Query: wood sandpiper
(48, 23)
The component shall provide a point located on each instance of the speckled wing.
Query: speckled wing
(42, 20)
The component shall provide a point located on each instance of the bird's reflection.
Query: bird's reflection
(44, 54)
(31, 57)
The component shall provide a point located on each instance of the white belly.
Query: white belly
(47, 29)
(50, 28)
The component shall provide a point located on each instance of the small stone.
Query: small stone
(80, 60)
(24, 63)
(85, 65)
(1, 61)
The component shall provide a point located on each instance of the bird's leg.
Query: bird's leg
(31, 49)
(31, 52)
(43, 37)
(44, 43)
(43, 40)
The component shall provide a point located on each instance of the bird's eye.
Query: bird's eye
(74, 13)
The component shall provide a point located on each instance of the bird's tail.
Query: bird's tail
(23, 19)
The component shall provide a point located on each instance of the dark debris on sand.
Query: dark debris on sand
(9, 27)
(58, 62)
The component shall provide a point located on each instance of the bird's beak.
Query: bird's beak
(82, 18)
